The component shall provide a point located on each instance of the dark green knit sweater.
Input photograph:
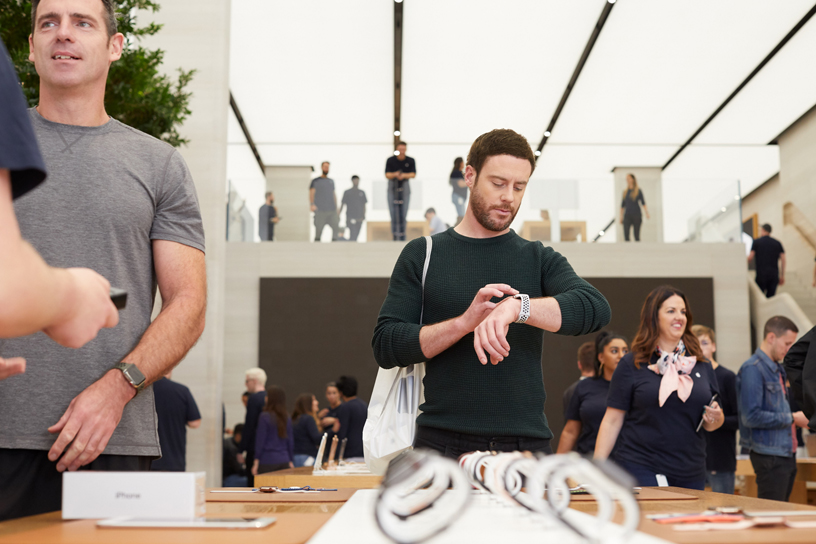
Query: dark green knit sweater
(461, 394)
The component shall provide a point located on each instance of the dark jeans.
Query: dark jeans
(399, 196)
(30, 483)
(354, 226)
(452, 444)
(767, 284)
(774, 475)
(321, 219)
(630, 221)
(647, 477)
(720, 481)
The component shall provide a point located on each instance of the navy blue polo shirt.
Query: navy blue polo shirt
(175, 406)
(588, 405)
(663, 439)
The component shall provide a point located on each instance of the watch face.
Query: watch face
(135, 375)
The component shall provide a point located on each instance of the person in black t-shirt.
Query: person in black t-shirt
(351, 418)
(658, 395)
(721, 445)
(176, 409)
(36, 296)
(768, 252)
(399, 169)
(630, 208)
(267, 219)
(233, 472)
(255, 382)
(354, 200)
(588, 403)
(460, 190)
(586, 365)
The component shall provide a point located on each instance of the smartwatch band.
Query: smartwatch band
(524, 312)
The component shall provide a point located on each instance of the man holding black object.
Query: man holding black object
(399, 169)
(124, 204)
(70, 306)
(520, 288)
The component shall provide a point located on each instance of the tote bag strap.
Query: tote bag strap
(428, 248)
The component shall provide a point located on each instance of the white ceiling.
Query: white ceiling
(314, 81)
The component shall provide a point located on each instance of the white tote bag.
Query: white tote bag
(391, 424)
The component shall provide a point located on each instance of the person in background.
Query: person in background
(460, 190)
(766, 422)
(328, 416)
(233, 471)
(770, 261)
(588, 404)
(323, 202)
(267, 219)
(245, 398)
(305, 423)
(658, 395)
(176, 410)
(800, 365)
(630, 214)
(351, 417)
(354, 200)
(255, 382)
(435, 224)
(399, 170)
(586, 366)
(721, 445)
(274, 445)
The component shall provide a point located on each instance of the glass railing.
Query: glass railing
(719, 219)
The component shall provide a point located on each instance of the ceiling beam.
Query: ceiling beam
(745, 82)
(577, 72)
(237, 112)
(398, 22)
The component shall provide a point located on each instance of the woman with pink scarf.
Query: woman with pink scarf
(662, 398)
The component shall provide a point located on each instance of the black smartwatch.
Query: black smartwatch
(132, 374)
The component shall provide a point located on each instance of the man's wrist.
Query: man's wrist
(119, 385)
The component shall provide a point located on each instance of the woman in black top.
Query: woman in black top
(588, 403)
(658, 397)
(630, 208)
(304, 422)
(460, 190)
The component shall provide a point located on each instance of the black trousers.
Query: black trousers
(30, 483)
(767, 284)
(354, 229)
(774, 475)
(630, 221)
(452, 444)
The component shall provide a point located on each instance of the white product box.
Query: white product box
(156, 495)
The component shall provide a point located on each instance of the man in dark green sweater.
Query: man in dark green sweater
(469, 404)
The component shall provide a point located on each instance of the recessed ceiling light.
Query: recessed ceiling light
(396, 133)
(723, 209)
(601, 233)
(537, 153)
(610, 1)
(547, 133)
(396, 152)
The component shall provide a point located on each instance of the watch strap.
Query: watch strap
(524, 312)
(132, 374)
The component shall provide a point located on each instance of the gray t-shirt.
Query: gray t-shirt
(324, 194)
(111, 191)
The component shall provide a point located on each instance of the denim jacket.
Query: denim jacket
(765, 416)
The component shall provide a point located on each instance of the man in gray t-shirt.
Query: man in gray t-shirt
(323, 202)
(123, 204)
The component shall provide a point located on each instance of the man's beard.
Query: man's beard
(481, 212)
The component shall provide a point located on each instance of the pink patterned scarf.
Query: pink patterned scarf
(675, 369)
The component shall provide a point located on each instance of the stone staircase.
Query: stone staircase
(802, 290)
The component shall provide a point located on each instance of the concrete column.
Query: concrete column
(195, 35)
(650, 182)
(290, 184)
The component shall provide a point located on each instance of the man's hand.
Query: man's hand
(781, 280)
(481, 306)
(490, 335)
(800, 420)
(88, 309)
(89, 421)
(11, 367)
(313, 207)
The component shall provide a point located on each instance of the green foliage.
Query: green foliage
(136, 94)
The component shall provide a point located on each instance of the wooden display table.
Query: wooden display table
(298, 477)
(380, 231)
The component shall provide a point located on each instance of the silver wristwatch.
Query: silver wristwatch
(132, 374)
(524, 313)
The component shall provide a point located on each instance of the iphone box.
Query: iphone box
(156, 495)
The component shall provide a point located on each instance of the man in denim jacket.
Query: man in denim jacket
(766, 422)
